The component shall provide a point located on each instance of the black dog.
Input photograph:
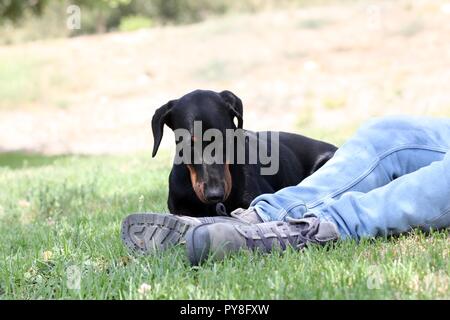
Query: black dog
(195, 189)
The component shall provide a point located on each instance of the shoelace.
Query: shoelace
(312, 229)
(298, 241)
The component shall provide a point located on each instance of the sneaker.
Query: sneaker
(219, 239)
(149, 232)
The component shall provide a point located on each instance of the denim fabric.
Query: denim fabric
(391, 176)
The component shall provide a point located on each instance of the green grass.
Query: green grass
(67, 211)
(21, 160)
(314, 24)
(15, 84)
(133, 23)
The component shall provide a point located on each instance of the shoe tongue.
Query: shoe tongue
(323, 231)
(302, 223)
(306, 226)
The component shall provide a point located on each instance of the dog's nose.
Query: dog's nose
(214, 195)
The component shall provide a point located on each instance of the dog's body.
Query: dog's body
(195, 189)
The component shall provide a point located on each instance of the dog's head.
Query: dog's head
(210, 181)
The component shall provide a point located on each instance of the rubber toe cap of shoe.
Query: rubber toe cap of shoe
(198, 244)
(327, 232)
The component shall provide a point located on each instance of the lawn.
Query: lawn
(60, 220)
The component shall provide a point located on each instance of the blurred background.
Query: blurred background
(84, 77)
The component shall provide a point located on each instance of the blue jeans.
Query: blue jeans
(391, 176)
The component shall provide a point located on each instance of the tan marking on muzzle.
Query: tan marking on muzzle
(228, 181)
(196, 185)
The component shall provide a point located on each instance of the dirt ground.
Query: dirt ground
(316, 67)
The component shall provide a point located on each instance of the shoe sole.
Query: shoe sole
(146, 233)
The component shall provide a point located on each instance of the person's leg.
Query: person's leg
(417, 200)
(381, 151)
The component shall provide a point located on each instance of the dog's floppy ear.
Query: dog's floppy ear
(161, 117)
(235, 105)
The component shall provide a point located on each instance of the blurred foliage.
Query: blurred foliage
(25, 20)
(15, 9)
(131, 23)
(28, 20)
(174, 11)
